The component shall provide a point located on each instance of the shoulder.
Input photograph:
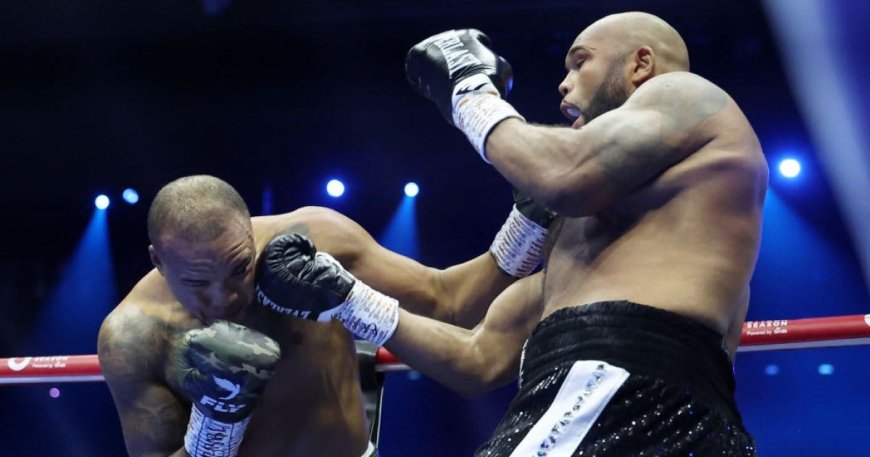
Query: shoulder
(131, 343)
(681, 84)
(330, 230)
(680, 93)
(302, 220)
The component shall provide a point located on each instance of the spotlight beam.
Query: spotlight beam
(807, 28)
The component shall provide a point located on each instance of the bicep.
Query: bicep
(498, 341)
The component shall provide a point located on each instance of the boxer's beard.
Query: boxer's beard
(610, 95)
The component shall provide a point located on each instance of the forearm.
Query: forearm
(442, 352)
(469, 288)
(542, 162)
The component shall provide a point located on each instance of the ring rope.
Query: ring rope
(767, 335)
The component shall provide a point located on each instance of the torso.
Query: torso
(685, 242)
(312, 406)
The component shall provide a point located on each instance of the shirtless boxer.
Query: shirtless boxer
(188, 334)
(628, 334)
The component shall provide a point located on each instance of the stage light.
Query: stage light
(412, 189)
(130, 196)
(789, 168)
(101, 202)
(826, 369)
(771, 370)
(335, 188)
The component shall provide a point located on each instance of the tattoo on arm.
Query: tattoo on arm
(152, 417)
(630, 154)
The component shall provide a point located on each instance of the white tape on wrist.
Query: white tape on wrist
(369, 314)
(207, 437)
(478, 108)
(519, 245)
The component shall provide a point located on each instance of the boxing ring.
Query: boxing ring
(763, 335)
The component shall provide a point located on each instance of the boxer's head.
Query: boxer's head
(612, 57)
(202, 243)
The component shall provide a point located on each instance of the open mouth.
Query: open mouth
(572, 113)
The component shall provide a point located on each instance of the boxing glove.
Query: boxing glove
(293, 278)
(223, 368)
(458, 71)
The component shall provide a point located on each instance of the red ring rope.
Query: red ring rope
(767, 335)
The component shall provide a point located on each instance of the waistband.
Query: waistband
(642, 339)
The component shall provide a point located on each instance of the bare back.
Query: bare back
(685, 241)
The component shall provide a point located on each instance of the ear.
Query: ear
(643, 65)
(155, 259)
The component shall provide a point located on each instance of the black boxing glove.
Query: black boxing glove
(294, 279)
(223, 368)
(459, 72)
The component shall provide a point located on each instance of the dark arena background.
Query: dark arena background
(278, 98)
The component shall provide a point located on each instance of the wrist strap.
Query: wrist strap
(207, 437)
(369, 314)
(478, 108)
(519, 246)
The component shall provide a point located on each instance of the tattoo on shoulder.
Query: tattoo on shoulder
(130, 345)
(636, 152)
(691, 104)
(299, 227)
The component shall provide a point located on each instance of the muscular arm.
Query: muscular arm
(153, 420)
(579, 172)
(472, 361)
(459, 294)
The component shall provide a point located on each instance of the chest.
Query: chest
(584, 238)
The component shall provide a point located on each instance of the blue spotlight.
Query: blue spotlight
(412, 189)
(130, 196)
(771, 370)
(826, 369)
(101, 202)
(401, 233)
(335, 188)
(789, 168)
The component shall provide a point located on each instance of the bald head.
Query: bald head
(194, 208)
(634, 30)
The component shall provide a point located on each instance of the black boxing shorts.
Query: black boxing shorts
(622, 379)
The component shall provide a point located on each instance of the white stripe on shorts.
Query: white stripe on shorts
(370, 451)
(585, 392)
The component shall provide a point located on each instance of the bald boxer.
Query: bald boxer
(624, 342)
(198, 366)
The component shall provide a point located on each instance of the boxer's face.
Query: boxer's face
(596, 81)
(211, 279)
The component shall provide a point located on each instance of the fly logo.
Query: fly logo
(229, 386)
(220, 406)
